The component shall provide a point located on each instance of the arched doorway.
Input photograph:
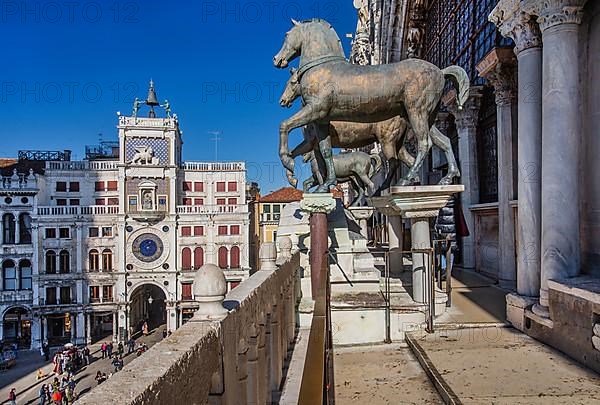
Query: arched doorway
(148, 304)
(17, 327)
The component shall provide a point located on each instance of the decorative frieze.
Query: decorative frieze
(498, 67)
(556, 12)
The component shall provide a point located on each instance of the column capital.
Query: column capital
(467, 117)
(513, 23)
(498, 67)
(555, 12)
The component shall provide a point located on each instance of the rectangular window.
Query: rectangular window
(93, 232)
(220, 201)
(234, 230)
(99, 186)
(198, 201)
(50, 295)
(198, 230)
(187, 201)
(186, 291)
(50, 233)
(64, 233)
(222, 229)
(162, 202)
(107, 231)
(186, 231)
(111, 185)
(65, 295)
(61, 201)
(10, 278)
(276, 214)
(74, 186)
(74, 201)
(220, 186)
(61, 186)
(198, 186)
(94, 294)
(113, 201)
(100, 201)
(232, 201)
(26, 277)
(232, 186)
(107, 293)
(132, 202)
(187, 186)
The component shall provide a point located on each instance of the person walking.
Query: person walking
(46, 351)
(109, 349)
(103, 349)
(42, 394)
(130, 345)
(86, 355)
(12, 397)
(120, 348)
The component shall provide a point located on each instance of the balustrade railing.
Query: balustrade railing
(211, 209)
(214, 166)
(83, 165)
(74, 210)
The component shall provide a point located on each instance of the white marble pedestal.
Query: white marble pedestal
(419, 204)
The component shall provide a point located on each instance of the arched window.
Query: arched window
(223, 257)
(50, 262)
(25, 266)
(64, 262)
(107, 260)
(94, 260)
(25, 228)
(8, 229)
(234, 257)
(198, 257)
(186, 259)
(9, 275)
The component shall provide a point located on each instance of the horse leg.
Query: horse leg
(420, 126)
(302, 117)
(443, 142)
(325, 148)
(306, 145)
(366, 181)
(360, 193)
(309, 183)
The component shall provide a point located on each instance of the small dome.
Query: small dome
(210, 282)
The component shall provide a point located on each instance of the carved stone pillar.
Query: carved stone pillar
(524, 31)
(466, 127)
(561, 133)
(498, 67)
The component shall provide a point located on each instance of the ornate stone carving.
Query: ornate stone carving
(468, 117)
(361, 46)
(556, 12)
(498, 67)
(521, 28)
(414, 39)
(317, 202)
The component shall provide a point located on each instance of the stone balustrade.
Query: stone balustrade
(231, 352)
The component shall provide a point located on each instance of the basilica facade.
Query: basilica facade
(526, 143)
(95, 248)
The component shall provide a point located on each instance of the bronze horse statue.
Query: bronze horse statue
(333, 89)
(356, 168)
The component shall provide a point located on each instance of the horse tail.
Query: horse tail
(376, 164)
(460, 80)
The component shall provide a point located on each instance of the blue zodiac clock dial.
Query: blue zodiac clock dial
(147, 247)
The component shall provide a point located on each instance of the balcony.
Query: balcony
(257, 332)
(82, 165)
(77, 210)
(214, 166)
(212, 209)
(14, 297)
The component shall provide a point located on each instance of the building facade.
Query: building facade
(96, 247)
(526, 143)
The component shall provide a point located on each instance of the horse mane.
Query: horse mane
(319, 20)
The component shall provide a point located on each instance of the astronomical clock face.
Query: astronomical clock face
(147, 247)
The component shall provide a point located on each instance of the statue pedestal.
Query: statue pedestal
(417, 204)
(362, 215)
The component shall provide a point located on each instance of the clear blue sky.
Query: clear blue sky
(68, 67)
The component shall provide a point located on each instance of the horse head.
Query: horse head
(292, 89)
(291, 46)
(312, 38)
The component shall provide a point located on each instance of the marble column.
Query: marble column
(421, 239)
(498, 67)
(561, 133)
(524, 31)
(395, 235)
(466, 126)
(88, 329)
(80, 328)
